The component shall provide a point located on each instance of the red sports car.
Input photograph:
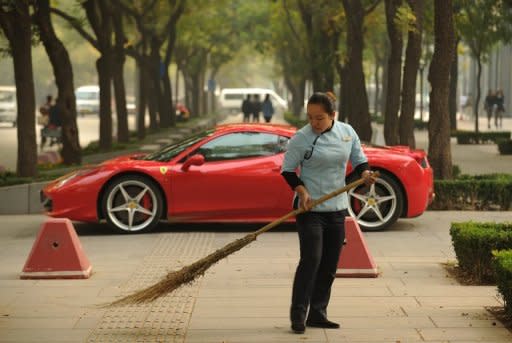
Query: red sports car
(228, 174)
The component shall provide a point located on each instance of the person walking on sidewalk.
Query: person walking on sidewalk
(500, 109)
(322, 149)
(489, 103)
(256, 108)
(267, 109)
(247, 109)
(44, 117)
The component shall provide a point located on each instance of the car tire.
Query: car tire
(382, 203)
(132, 204)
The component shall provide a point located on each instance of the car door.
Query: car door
(240, 179)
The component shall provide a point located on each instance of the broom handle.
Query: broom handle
(313, 204)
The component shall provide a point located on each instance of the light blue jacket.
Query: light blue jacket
(325, 170)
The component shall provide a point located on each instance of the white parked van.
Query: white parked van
(87, 99)
(8, 106)
(230, 99)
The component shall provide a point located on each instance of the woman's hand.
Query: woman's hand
(304, 198)
(368, 177)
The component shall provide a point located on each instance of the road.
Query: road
(88, 127)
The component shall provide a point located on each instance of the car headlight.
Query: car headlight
(68, 177)
(65, 179)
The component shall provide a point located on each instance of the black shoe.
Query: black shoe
(326, 324)
(298, 327)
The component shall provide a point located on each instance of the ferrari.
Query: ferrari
(230, 173)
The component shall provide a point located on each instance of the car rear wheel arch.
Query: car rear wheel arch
(388, 179)
(116, 178)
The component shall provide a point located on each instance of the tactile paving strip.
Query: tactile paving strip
(165, 319)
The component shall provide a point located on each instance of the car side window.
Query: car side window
(243, 145)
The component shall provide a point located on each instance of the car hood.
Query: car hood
(128, 159)
(417, 154)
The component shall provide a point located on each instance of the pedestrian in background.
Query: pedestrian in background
(256, 108)
(322, 150)
(267, 108)
(247, 109)
(500, 109)
(54, 125)
(489, 103)
(44, 117)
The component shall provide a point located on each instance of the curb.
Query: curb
(21, 199)
(25, 199)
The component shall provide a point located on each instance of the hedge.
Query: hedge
(480, 192)
(502, 264)
(474, 243)
(471, 137)
(505, 146)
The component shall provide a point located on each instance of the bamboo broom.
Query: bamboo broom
(187, 274)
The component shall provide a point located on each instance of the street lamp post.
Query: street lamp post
(422, 68)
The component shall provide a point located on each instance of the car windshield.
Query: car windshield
(87, 95)
(170, 151)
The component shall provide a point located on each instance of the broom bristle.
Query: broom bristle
(185, 275)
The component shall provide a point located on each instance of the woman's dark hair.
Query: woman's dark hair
(327, 100)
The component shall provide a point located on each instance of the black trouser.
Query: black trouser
(321, 236)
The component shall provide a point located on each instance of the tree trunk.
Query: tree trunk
(99, 15)
(142, 100)
(478, 91)
(297, 90)
(123, 134)
(439, 74)
(16, 25)
(385, 77)
(168, 102)
(156, 77)
(356, 96)
(104, 68)
(196, 100)
(204, 99)
(151, 73)
(342, 95)
(454, 76)
(412, 63)
(391, 135)
(376, 76)
(63, 72)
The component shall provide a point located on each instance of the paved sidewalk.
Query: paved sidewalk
(244, 298)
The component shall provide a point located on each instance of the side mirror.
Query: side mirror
(194, 160)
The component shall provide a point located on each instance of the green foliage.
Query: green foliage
(455, 171)
(481, 192)
(9, 178)
(502, 263)
(474, 242)
(418, 123)
(471, 137)
(292, 119)
(483, 23)
(94, 147)
(505, 146)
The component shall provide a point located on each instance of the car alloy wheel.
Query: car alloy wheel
(378, 206)
(132, 204)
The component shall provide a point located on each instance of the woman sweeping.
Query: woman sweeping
(322, 149)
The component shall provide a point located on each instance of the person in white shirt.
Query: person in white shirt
(322, 149)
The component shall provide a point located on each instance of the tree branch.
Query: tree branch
(75, 23)
(289, 21)
(371, 7)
